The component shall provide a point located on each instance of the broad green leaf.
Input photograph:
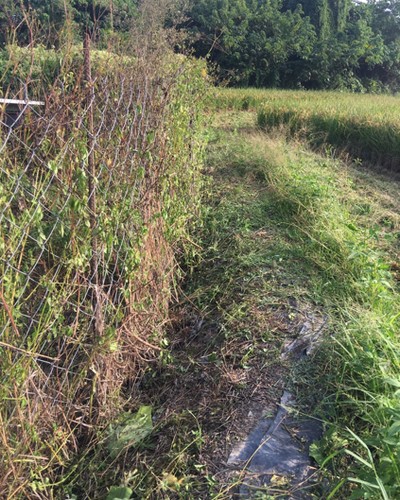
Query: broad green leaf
(131, 431)
(119, 493)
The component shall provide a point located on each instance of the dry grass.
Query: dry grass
(86, 286)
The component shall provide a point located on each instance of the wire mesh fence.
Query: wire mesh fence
(96, 188)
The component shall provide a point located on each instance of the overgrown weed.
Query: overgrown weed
(86, 285)
(283, 228)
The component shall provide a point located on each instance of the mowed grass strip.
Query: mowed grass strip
(335, 244)
(316, 199)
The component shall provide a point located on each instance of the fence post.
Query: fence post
(92, 198)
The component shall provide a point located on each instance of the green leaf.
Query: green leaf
(316, 453)
(358, 458)
(393, 382)
(394, 429)
(132, 430)
(119, 493)
(363, 483)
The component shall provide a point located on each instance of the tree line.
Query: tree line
(312, 44)
(48, 18)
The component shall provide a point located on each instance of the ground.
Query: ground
(274, 255)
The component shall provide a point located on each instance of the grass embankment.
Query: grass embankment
(366, 126)
(285, 233)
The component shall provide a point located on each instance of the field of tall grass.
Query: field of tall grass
(364, 125)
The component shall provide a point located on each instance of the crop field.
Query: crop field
(364, 125)
(191, 273)
(142, 335)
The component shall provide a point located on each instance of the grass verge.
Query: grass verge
(356, 283)
(343, 226)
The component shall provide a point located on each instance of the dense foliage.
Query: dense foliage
(46, 17)
(312, 44)
(301, 43)
(98, 190)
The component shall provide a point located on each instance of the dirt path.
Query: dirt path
(245, 307)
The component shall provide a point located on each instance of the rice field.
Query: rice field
(365, 126)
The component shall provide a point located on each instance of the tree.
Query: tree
(306, 43)
(251, 40)
(49, 16)
(219, 28)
